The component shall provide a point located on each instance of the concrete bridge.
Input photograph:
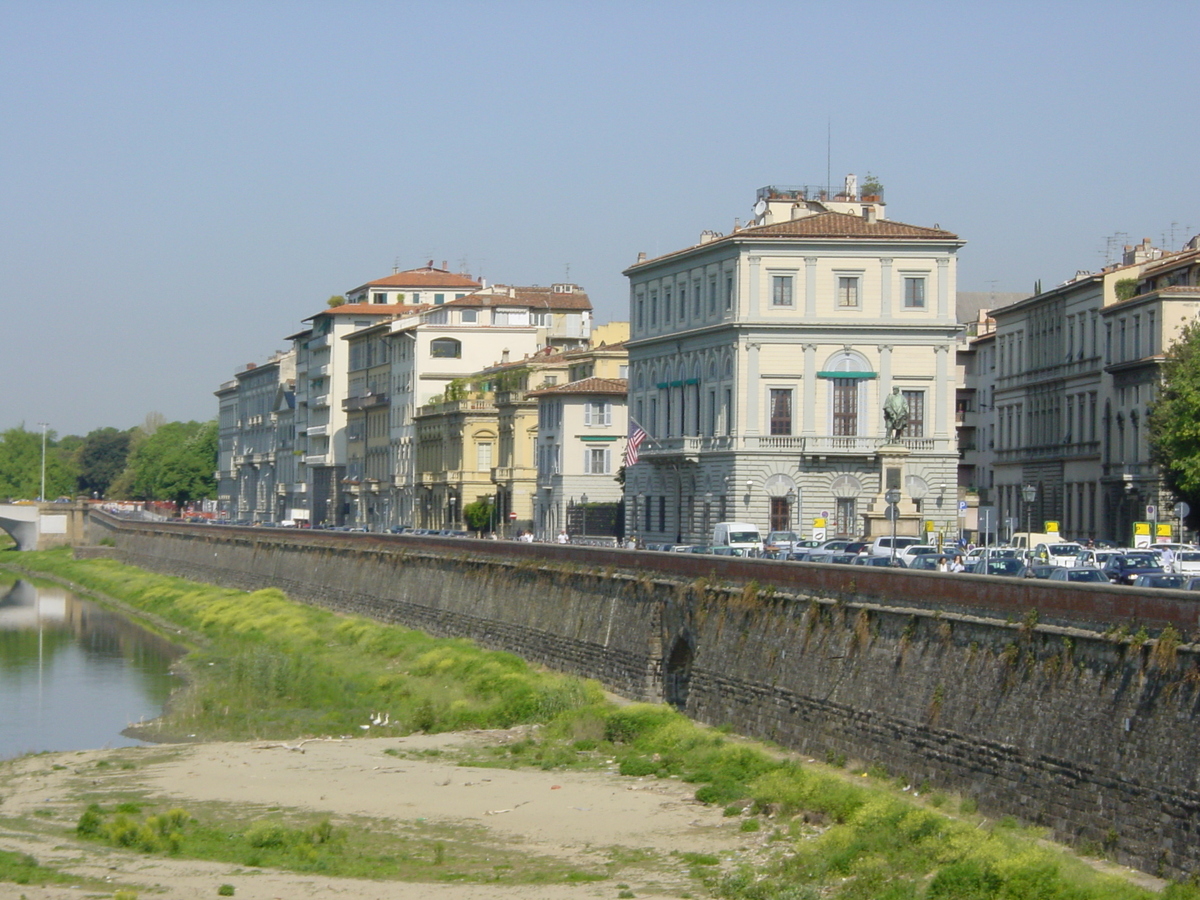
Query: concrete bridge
(40, 526)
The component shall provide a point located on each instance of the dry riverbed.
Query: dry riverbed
(634, 832)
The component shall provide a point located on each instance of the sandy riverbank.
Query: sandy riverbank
(582, 817)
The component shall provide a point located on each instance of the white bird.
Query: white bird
(364, 727)
(386, 718)
(376, 718)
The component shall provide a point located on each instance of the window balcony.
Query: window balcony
(364, 401)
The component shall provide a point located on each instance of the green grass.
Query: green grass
(20, 868)
(264, 666)
(352, 848)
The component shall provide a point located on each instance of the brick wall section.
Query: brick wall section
(939, 678)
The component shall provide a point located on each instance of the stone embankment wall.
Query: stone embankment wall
(1048, 702)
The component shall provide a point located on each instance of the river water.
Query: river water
(73, 675)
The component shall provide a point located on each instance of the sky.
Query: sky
(182, 183)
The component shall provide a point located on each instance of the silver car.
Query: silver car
(1079, 575)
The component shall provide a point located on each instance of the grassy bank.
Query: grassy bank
(263, 666)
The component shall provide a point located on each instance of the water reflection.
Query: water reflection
(72, 674)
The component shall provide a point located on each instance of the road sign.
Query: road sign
(962, 506)
(892, 496)
(892, 513)
(512, 515)
(1182, 510)
(1150, 512)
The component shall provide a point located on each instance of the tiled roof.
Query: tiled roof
(425, 277)
(831, 225)
(618, 386)
(539, 296)
(388, 310)
(840, 225)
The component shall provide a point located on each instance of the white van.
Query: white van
(882, 546)
(743, 538)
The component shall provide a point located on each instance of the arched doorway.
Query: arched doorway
(677, 674)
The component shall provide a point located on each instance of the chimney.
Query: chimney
(642, 256)
(444, 265)
(869, 212)
(504, 355)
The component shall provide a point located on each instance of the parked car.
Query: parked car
(1124, 568)
(1041, 570)
(1187, 562)
(780, 542)
(1008, 567)
(879, 561)
(1164, 580)
(824, 552)
(1059, 554)
(1079, 575)
(882, 546)
(848, 553)
(912, 551)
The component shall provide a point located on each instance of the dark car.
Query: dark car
(846, 555)
(878, 561)
(1124, 568)
(1009, 568)
(1040, 570)
(927, 562)
(1164, 580)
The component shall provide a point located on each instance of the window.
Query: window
(653, 308)
(781, 411)
(597, 414)
(682, 302)
(439, 299)
(728, 293)
(470, 316)
(847, 292)
(597, 461)
(379, 298)
(845, 406)
(712, 296)
(781, 290)
(696, 298)
(641, 312)
(781, 514)
(437, 317)
(416, 297)
(483, 456)
(914, 293)
(846, 522)
(916, 413)
(445, 348)
(666, 305)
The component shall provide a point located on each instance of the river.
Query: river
(73, 675)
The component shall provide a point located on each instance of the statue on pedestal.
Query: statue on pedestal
(895, 415)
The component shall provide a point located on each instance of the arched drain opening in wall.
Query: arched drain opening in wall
(678, 675)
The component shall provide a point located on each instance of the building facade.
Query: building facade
(759, 362)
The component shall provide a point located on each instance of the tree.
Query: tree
(1174, 421)
(101, 458)
(174, 463)
(478, 515)
(21, 465)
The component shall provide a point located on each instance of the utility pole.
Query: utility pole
(42, 495)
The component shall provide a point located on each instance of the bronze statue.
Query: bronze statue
(895, 415)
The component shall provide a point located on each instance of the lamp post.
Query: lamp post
(1028, 494)
(583, 513)
(42, 495)
(791, 500)
(893, 512)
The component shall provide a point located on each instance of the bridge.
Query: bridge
(41, 526)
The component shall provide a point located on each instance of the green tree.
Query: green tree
(1174, 422)
(174, 463)
(478, 515)
(21, 465)
(101, 458)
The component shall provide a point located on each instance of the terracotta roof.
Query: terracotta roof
(388, 310)
(539, 297)
(618, 386)
(830, 225)
(425, 277)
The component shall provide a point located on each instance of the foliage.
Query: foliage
(21, 465)
(20, 868)
(1125, 288)
(478, 515)
(174, 463)
(1174, 422)
(101, 458)
(335, 301)
(871, 185)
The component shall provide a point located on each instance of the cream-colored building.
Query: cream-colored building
(582, 428)
(760, 360)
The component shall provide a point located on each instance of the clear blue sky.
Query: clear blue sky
(183, 182)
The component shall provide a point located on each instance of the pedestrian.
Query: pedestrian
(957, 565)
(943, 564)
(1168, 559)
(563, 537)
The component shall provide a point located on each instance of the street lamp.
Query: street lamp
(791, 500)
(1029, 494)
(893, 512)
(583, 510)
(42, 495)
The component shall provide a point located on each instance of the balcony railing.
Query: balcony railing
(364, 401)
(822, 445)
(319, 401)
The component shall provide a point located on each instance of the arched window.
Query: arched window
(445, 348)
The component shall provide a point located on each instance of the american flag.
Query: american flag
(636, 436)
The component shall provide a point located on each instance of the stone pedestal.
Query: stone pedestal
(893, 465)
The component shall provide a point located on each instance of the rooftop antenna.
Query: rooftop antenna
(396, 264)
(828, 156)
(567, 273)
(1114, 246)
